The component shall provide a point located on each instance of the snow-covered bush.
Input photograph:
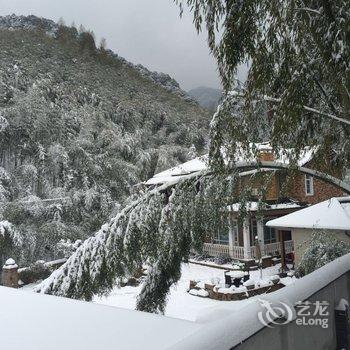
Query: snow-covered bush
(8, 230)
(3, 123)
(10, 240)
(35, 272)
(30, 209)
(66, 247)
(322, 249)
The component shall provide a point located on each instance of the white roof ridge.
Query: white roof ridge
(329, 215)
(200, 163)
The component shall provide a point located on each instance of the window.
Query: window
(309, 185)
(221, 238)
(235, 232)
(269, 233)
(253, 231)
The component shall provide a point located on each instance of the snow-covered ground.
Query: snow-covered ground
(181, 304)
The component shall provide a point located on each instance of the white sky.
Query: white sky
(149, 32)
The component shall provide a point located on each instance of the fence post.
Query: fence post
(9, 276)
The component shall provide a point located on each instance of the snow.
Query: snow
(194, 165)
(10, 262)
(228, 325)
(236, 274)
(181, 304)
(343, 305)
(200, 164)
(241, 289)
(218, 325)
(202, 293)
(274, 278)
(34, 321)
(249, 283)
(193, 292)
(226, 290)
(346, 207)
(332, 214)
(253, 206)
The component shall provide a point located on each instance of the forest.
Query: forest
(80, 130)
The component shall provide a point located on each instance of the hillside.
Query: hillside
(81, 126)
(206, 97)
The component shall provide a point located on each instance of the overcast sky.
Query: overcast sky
(149, 32)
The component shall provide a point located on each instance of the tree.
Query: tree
(9, 238)
(72, 142)
(322, 249)
(87, 40)
(296, 95)
(298, 57)
(103, 45)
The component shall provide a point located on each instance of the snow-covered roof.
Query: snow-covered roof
(192, 166)
(34, 321)
(332, 214)
(201, 163)
(253, 206)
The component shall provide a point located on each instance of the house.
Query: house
(282, 197)
(330, 216)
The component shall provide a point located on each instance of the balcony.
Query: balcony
(237, 252)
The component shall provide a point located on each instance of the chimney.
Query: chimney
(266, 153)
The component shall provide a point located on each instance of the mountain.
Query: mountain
(79, 127)
(51, 28)
(206, 97)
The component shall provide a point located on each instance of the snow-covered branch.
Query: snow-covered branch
(308, 9)
(312, 110)
(306, 108)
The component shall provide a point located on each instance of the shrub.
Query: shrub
(323, 248)
(37, 271)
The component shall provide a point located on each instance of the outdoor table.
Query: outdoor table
(234, 277)
(236, 274)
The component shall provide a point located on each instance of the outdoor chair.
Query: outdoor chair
(237, 282)
(246, 277)
(228, 279)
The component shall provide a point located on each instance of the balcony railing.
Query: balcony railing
(216, 249)
(237, 252)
